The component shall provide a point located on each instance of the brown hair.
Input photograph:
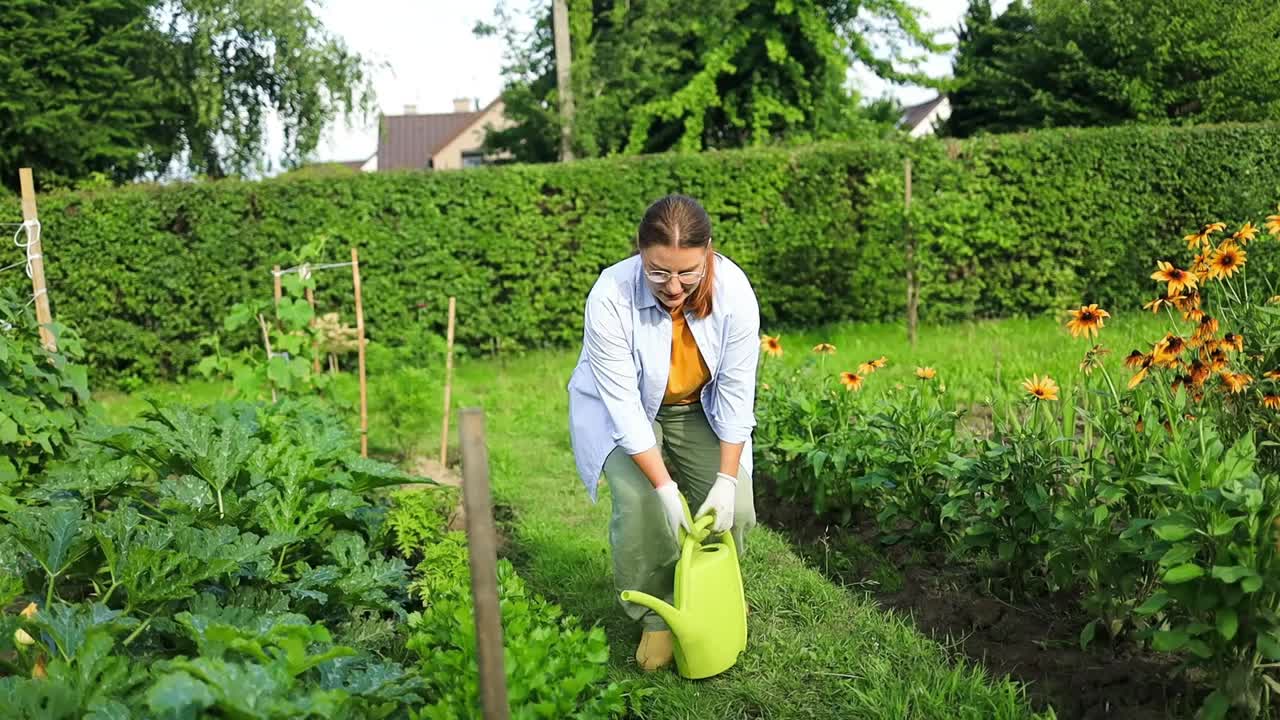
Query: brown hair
(679, 221)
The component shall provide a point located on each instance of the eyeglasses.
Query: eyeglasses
(662, 277)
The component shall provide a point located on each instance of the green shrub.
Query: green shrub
(1005, 225)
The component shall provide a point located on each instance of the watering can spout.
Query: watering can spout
(672, 616)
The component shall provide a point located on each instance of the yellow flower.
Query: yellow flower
(29, 611)
(1177, 279)
(824, 348)
(926, 373)
(1199, 373)
(1273, 222)
(1272, 374)
(37, 671)
(21, 637)
(1138, 378)
(1205, 331)
(871, 366)
(771, 345)
(1136, 359)
(1271, 402)
(1155, 305)
(1246, 233)
(1233, 340)
(1274, 300)
(1087, 320)
(1226, 260)
(1041, 388)
(1236, 382)
(851, 381)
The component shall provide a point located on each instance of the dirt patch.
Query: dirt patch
(1037, 644)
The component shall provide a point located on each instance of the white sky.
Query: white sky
(429, 56)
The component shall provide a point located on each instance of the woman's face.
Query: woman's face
(664, 266)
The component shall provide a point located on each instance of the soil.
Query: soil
(1037, 644)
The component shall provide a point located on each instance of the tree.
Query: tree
(133, 87)
(649, 76)
(1109, 62)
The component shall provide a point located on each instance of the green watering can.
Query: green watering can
(709, 621)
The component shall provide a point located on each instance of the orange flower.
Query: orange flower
(1138, 377)
(771, 345)
(1226, 260)
(926, 373)
(1272, 374)
(1041, 388)
(851, 381)
(1178, 279)
(1246, 233)
(37, 671)
(1087, 320)
(1233, 340)
(1202, 237)
(1198, 373)
(881, 362)
(1205, 331)
(1136, 359)
(1155, 305)
(1271, 402)
(1168, 350)
(1236, 383)
(824, 349)
(1217, 360)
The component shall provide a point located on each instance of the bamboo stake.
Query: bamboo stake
(448, 386)
(364, 389)
(482, 551)
(913, 291)
(311, 300)
(266, 342)
(35, 254)
(279, 287)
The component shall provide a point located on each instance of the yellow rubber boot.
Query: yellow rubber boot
(656, 649)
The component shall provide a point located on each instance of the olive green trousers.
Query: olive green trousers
(643, 546)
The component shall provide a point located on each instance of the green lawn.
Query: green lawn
(815, 650)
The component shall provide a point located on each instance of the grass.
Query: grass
(815, 650)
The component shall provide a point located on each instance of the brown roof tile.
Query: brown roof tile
(409, 141)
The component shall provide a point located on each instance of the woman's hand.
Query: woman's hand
(669, 494)
(720, 501)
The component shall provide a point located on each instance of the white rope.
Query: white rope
(304, 270)
(32, 228)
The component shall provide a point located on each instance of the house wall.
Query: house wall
(450, 156)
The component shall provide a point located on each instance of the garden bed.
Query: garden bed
(1037, 644)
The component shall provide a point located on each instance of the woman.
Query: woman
(662, 401)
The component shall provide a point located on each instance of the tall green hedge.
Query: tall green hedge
(1005, 225)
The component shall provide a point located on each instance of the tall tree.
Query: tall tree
(650, 75)
(133, 87)
(1108, 62)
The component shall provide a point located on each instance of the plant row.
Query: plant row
(1148, 487)
(242, 561)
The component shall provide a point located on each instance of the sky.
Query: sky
(426, 56)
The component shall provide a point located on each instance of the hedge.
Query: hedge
(1006, 225)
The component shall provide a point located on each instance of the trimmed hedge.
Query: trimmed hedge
(1006, 225)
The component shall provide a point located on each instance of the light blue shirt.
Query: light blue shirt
(618, 385)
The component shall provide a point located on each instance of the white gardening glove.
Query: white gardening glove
(720, 501)
(669, 494)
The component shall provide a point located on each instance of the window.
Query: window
(472, 158)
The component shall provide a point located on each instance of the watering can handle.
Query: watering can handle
(699, 528)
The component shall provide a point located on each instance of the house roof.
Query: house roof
(409, 141)
(913, 115)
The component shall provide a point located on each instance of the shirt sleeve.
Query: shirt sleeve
(736, 384)
(614, 370)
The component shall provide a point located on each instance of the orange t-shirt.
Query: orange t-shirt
(689, 372)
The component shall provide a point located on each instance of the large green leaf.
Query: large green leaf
(1228, 623)
(1174, 527)
(1183, 573)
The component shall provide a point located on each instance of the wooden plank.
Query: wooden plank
(448, 386)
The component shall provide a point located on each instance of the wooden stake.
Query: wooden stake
(39, 289)
(564, 75)
(448, 386)
(266, 342)
(364, 389)
(482, 550)
(279, 287)
(913, 290)
(311, 300)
